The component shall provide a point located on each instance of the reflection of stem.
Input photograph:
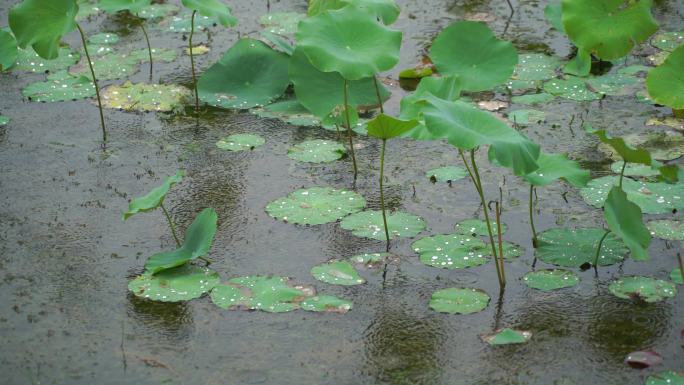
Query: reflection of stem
(377, 93)
(598, 251)
(97, 87)
(171, 225)
(382, 195)
(349, 130)
(192, 61)
(681, 265)
(534, 230)
(149, 47)
(622, 172)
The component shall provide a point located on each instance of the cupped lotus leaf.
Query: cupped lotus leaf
(183, 24)
(145, 97)
(337, 273)
(270, 294)
(652, 198)
(316, 151)
(661, 145)
(672, 230)
(279, 42)
(676, 276)
(645, 289)
(105, 38)
(281, 23)
(132, 6)
(557, 166)
(240, 142)
(388, 127)
(570, 88)
(540, 98)
(289, 111)
(470, 50)
(459, 300)
(8, 50)
(526, 117)
(316, 205)
(107, 67)
(634, 169)
(250, 74)
(451, 251)
(28, 60)
(625, 220)
(198, 239)
(153, 199)
(554, 15)
(369, 224)
(326, 304)
(156, 11)
(536, 66)
(372, 260)
(507, 336)
(668, 41)
(550, 279)
(608, 28)
(574, 248)
(349, 41)
(580, 65)
(667, 377)
(477, 228)
(214, 9)
(42, 23)
(4, 120)
(467, 127)
(60, 87)
(182, 283)
(665, 83)
(613, 84)
(412, 106)
(446, 174)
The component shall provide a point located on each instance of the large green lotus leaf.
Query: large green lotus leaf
(369, 224)
(153, 199)
(412, 105)
(281, 23)
(570, 88)
(337, 273)
(634, 169)
(459, 300)
(60, 87)
(667, 377)
(467, 127)
(156, 11)
(388, 127)
(198, 239)
(316, 205)
(349, 41)
(625, 220)
(554, 15)
(557, 166)
(385, 10)
(574, 248)
(107, 67)
(42, 23)
(132, 6)
(4, 120)
(507, 336)
(270, 294)
(250, 74)
(470, 50)
(540, 98)
(668, 41)
(289, 111)
(661, 145)
(145, 97)
(323, 92)
(446, 174)
(8, 50)
(316, 151)
(608, 28)
(451, 251)
(525, 117)
(672, 230)
(676, 276)
(213, 9)
(28, 60)
(646, 289)
(279, 42)
(183, 24)
(178, 284)
(536, 66)
(665, 83)
(614, 84)
(477, 228)
(652, 198)
(240, 142)
(550, 279)
(326, 304)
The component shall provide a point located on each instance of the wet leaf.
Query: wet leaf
(107, 67)
(665, 83)
(451, 251)
(240, 142)
(385, 10)
(42, 23)
(153, 199)
(145, 97)
(477, 228)
(8, 50)
(270, 294)
(132, 6)
(668, 377)
(642, 288)
(536, 66)
(327, 304)
(661, 145)
(337, 273)
(289, 111)
(155, 11)
(316, 151)
(613, 84)
(369, 224)
(550, 279)
(580, 65)
(540, 98)
(214, 9)
(417, 72)
(526, 117)
(279, 42)
(105, 38)
(557, 166)
(446, 174)
(281, 23)
(676, 276)
(643, 359)
(183, 24)
(316, 205)
(634, 169)
(625, 220)
(507, 336)
(574, 248)
(371, 260)
(470, 50)
(198, 50)
(28, 60)
(4, 120)
(652, 198)
(179, 284)
(668, 41)
(60, 87)
(158, 55)
(387, 127)
(459, 300)
(570, 88)
(87, 8)
(554, 13)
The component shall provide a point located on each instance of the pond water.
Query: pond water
(66, 257)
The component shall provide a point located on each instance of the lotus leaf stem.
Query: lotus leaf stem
(149, 47)
(681, 265)
(349, 130)
(534, 230)
(598, 250)
(382, 195)
(97, 87)
(192, 60)
(622, 172)
(171, 225)
(377, 93)
(499, 236)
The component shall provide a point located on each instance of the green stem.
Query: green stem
(149, 47)
(377, 93)
(498, 233)
(382, 195)
(171, 225)
(534, 230)
(622, 172)
(97, 87)
(598, 250)
(192, 61)
(681, 265)
(349, 130)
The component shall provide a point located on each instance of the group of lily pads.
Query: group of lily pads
(321, 69)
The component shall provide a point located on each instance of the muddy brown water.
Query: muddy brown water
(66, 257)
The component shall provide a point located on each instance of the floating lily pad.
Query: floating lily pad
(60, 87)
(446, 174)
(550, 279)
(371, 260)
(477, 228)
(214, 9)
(451, 251)
(667, 121)
(281, 23)
(507, 336)
(459, 300)
(327, 304)
(634, 69)
(200, 49)
(289, 111)
(104, 38)
(536, 66)
(28, 60)
(4, 120)
(316, 205)
(158, 55)
(642, 288)
(570, 88)
(661, 145)
(42, 25)
(369, 224)
(270, 294)
(574, 248)
(145, 97)
(316, 151)
(613, 84)
(155, 11)
(668, 41)
(510, 250)
(668, 377)
(108, 67)
(240, 142)
(87, 8)
(634, 169)
(519, 85)
(337, 273)
(676, 276)
(179, 284)
(672, 230)
(652, 198)
(526, 117)
(182, 24)
(540, 98)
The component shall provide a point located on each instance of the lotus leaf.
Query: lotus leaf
(643, 359)
(281, 23)
(371, 260)
(289, 111)
(477, 228)
(580, 65)
(550, 279)
(672, 230)
(412, 106)
(470, 50)
(554, 15)
(634, 169)
(107, 67)
(316, 151)
(446, 174)
(507, 336)
(526, 117)
(459, 300)
(661, 145)
(369, 224)
(540, 98)
(668, 41)
(667, 377)
(624, 219)
(270, 294)
(452, 251)
(60, 87)
(642, 288)
(143, 55)
(240, 142)
(279, 42)
(349, 41)
(179, 284)
(319, 6)
(153, 199)
(87, 8)
(337, 273)
(8, 50)
(155, 11)
(418, 72)
(327, 304)
(42, 23)
(4, 120)
(676, 276)
(613, 84)
(574, 248)
(387, 127)
(145, 97)
(183, 24)
(511, 250)
(557, 166)
(198, 50)
(104, 38)
(28, 60)
(665, 83)
(215, 9)
(570, 88)
(652, 198)
(385, 10)
(633, 69)
(316, 205)
(250, 74)
(132, 6)
(536, 66)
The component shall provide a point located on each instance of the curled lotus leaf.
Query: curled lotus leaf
(214, 9)
(643, 359)
(290, 111)
(316, 205)
(642, 288)
(570, 88)
(271, 294)
(536, 66)
(676, 276)
(281, 43)
(576, 247)
(668, 41)
(369, 224)
(28, 60)
(554, 15)
(8, 50)
(153, 199)
(145, 97)
(60, 87)
(179, 284)
(665, 83)
(451, 251)
(459, 300)
(477, 228)
(550, 279)
(446, 174)
(240, 142)
(326, 304)
(652, 198)
(337, 273)
(624, 219)
(42, 23)
(667, 377)
(507, 336)
(281, 23)
(557, 166)
(316, 151)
